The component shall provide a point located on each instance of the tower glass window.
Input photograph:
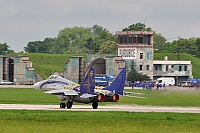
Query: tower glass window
(140, 39)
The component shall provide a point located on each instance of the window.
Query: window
(149, 40)
(167, 67)
(125, 39)
(148, 56)
(172, 68)
(134, 39)
(141, 55)
(140, 67)
(156, 67)
(185, 68)
(180, 68)
(145, 40)
(140, 39)
(130, 39)
(147, 67)
(121, 39)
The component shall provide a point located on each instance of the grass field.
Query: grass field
(168, 97)
(20, 121)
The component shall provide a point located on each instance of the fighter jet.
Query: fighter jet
(69, 91)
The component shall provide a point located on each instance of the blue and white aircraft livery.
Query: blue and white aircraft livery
(69, 91)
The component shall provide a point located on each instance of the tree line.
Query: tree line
(98, 40)
(76, 40)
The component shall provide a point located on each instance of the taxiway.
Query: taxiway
(127, 108)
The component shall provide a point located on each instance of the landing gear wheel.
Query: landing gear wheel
(62, 105)
(95, 105)
(69, 104)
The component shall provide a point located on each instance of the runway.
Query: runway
(127, 108)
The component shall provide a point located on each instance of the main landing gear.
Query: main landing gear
(69, 105)
(62, 105)
(95, 105)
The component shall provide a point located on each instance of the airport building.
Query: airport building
(137, 46)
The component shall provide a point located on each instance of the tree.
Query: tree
(69, 39)
(40, 46)
(73, 40)
(198, 47)
(108, 47)
(101, 35)
(137, 27)
(159, 43)
(4, 49)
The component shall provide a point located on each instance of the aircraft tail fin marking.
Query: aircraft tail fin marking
(88, 84)
(118, 84)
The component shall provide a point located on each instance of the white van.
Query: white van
(166, 81)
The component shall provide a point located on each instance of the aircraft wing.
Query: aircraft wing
(86, 95)
(63, 92)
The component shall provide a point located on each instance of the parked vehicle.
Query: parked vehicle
(103, 80)
(164, 81)
(184, 84)
(5, 82)
(194, 82)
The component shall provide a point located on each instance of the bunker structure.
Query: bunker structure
(18, 69)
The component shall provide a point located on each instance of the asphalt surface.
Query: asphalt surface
(102, 108)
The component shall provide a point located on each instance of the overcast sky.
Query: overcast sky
(23, 21)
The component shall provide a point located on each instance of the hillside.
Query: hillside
(45, 64)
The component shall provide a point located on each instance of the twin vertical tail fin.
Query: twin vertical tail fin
(118, 84)
(88, 84)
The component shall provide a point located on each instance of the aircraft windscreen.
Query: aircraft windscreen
(53, 77)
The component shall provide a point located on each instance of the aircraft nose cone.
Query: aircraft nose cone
(36, 85)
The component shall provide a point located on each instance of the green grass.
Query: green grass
(90, 122)
(30, 121)
(171, 97)
(26, 96)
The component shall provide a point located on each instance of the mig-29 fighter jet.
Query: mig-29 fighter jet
(69, 91)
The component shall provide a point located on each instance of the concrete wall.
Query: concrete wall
(23, 71)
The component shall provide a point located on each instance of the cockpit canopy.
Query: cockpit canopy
(53, 77)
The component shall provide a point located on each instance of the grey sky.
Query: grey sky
(22, 21)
